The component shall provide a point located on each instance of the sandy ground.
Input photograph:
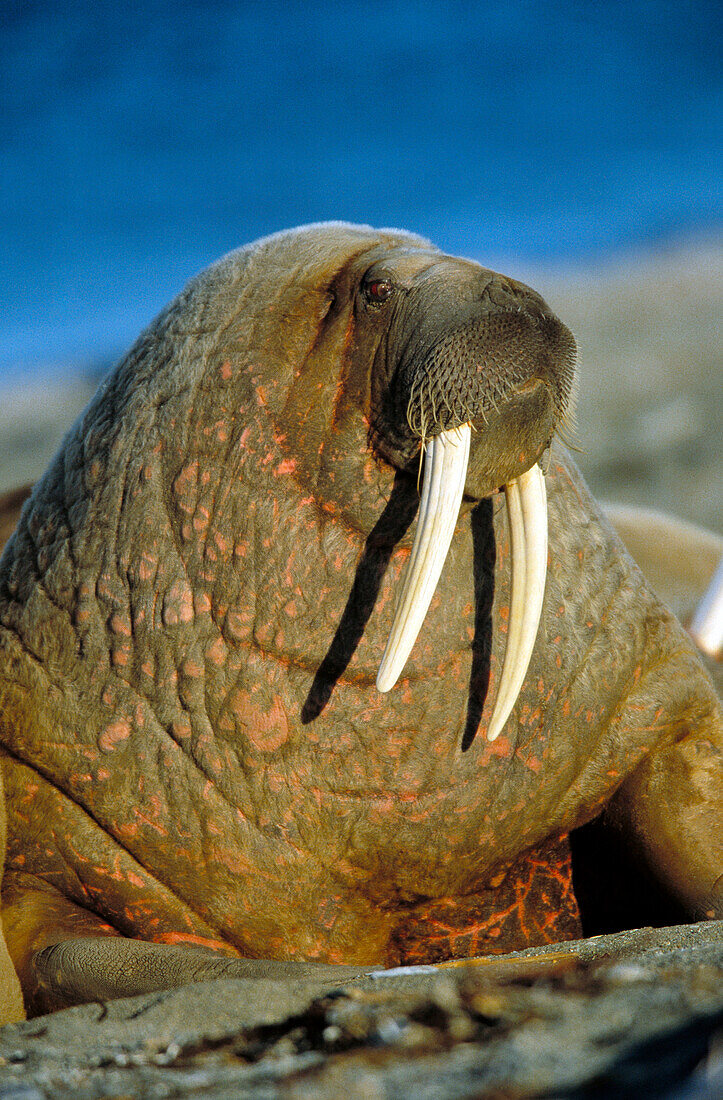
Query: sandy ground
(650, 385)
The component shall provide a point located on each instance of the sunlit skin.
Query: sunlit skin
(195, 604)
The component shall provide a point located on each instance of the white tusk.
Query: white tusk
(707, 625)
(445, 471)
(527, 512)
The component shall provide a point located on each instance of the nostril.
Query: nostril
(513, 297)
(498, 292)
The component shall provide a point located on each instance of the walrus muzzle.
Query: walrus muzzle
(476, 379)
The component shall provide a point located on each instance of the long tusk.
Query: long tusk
(707, 626)
(527, 511)
(445, 471)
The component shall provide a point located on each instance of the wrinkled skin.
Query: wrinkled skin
(194, 606)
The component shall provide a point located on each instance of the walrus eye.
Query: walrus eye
(379, 290)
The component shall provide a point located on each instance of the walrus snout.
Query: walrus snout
(484, 378)
(472, 372)
(469, 341)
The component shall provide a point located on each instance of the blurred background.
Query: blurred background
(572, 144)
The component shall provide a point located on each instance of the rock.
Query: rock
(623, 1015)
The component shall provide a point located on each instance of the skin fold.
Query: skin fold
(196, 599)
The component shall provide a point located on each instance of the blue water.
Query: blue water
(139, 142)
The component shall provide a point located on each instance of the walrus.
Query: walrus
(253, 713)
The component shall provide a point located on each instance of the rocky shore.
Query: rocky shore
(620, 1016)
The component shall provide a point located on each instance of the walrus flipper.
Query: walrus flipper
(97, 968)
(670, 808)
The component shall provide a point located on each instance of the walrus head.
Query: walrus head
(318, 367)
(471, 372)
(476, 369)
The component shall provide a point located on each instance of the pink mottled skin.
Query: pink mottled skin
(194, 606)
